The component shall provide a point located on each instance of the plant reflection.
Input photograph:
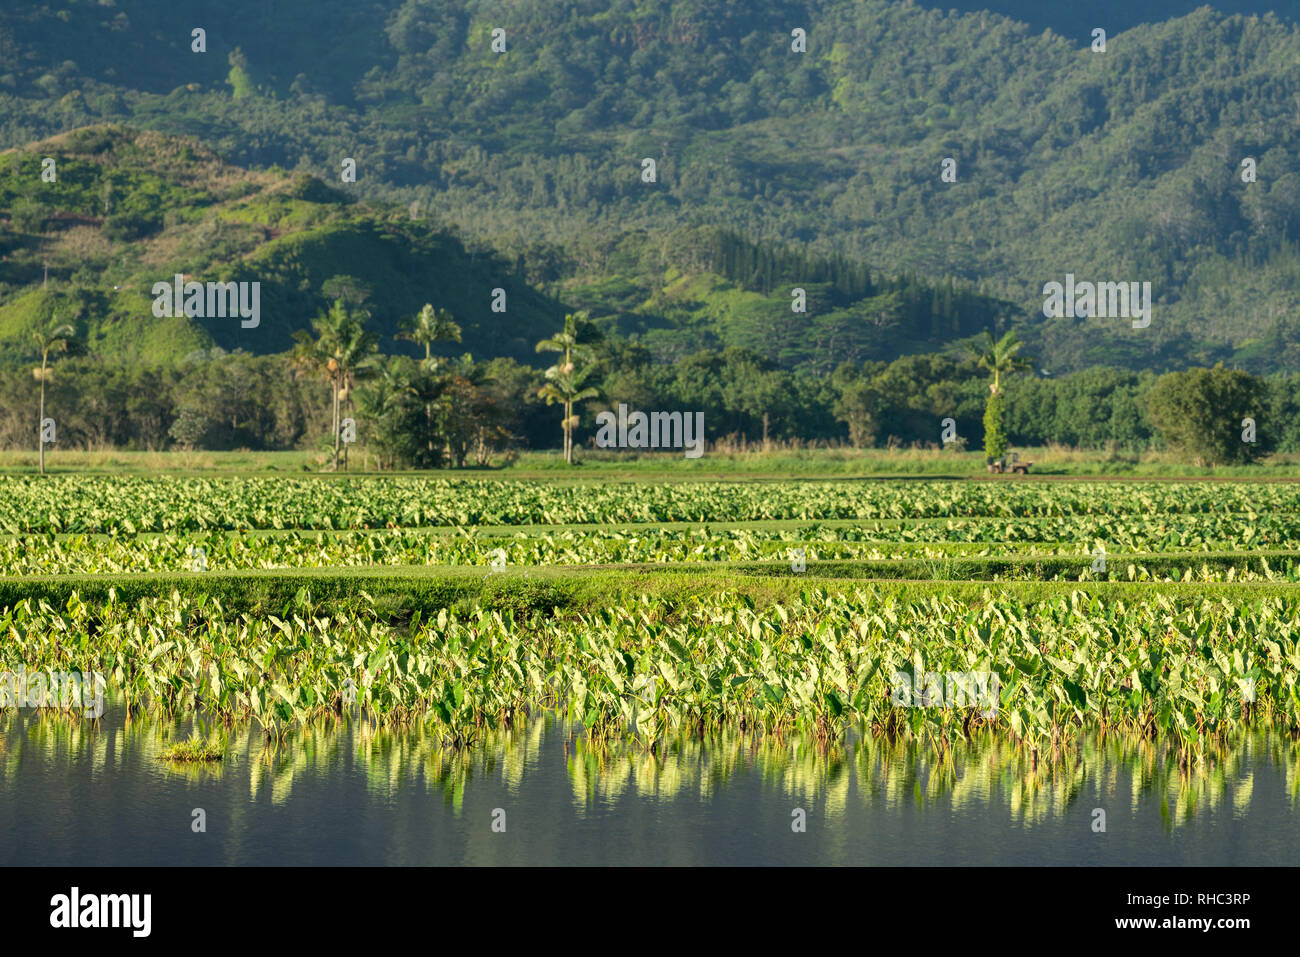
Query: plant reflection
(1115, 770)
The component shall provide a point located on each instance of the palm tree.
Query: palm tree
(999, 357)
(342, 352)
(427, 327)
(54, 338)
(564, 382)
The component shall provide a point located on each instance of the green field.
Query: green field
(812, 464)
(644, 610)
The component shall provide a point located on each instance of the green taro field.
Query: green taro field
(1153, 610)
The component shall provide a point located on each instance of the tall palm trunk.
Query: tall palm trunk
(349, 385)
(568, 433)
(568, 416)
(428, 407)
(40, 422)
(337, 437)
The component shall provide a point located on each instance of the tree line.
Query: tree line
(337, 392)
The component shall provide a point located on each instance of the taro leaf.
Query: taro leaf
(1061, 664)
(834, 703)
(1030, 665)
(1078, 697)
(377, 657)
(670, 674)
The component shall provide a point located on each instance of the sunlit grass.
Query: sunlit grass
(192, 750)
(779, 460)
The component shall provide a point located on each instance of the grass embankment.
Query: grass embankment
(403, 591)
(755, 465)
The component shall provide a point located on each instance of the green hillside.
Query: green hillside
(130, 209)
(1115, 166)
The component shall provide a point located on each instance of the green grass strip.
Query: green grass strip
(400, 590)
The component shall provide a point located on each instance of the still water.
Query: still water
(76, 793)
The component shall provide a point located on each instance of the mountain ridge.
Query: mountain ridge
(1118, 166)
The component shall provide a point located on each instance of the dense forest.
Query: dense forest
(837, 186)
(1077, 20)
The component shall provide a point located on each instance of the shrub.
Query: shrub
(128, 227)
(1199, 413)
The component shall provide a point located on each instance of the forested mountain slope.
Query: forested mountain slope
(1115, 166)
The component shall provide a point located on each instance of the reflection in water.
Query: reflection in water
(546, 771)
(893, 773)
